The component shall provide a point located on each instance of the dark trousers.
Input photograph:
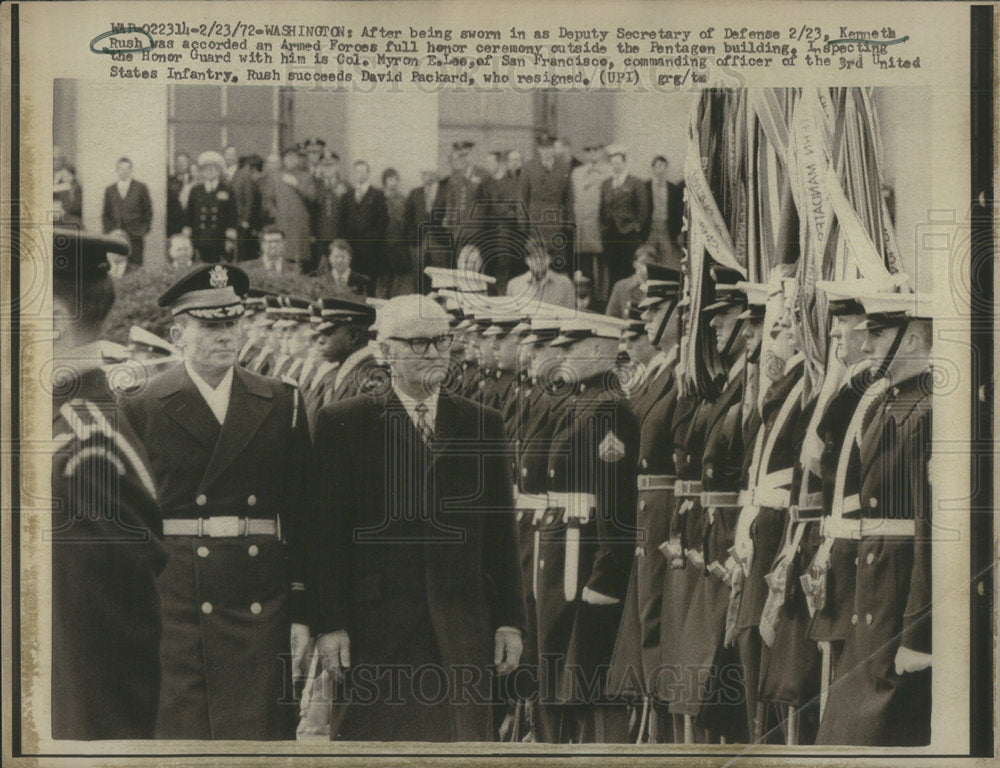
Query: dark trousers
(136, 244)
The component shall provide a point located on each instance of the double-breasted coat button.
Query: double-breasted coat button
(644, 463)
(524, 471)
(855, 562)
(255, 608)
(202, 551)
(252, 550)
(873, 502)
(870, 558)
(206, 608)
(552, 473)
(251, 500)
(541, 564)
(202, 500)
(642, 504)
(709, 473)
(854, 619)
(868, 618)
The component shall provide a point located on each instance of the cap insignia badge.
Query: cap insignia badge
(219, 277)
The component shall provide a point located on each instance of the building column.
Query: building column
(392, 129)
(123, 120)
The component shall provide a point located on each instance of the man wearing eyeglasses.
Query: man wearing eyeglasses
(413, 549)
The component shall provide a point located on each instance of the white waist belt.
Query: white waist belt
(576, 506)
(531, 501)
(856, 529)
(656, 482)
(220, 527)
(720, 499)
(687, 488)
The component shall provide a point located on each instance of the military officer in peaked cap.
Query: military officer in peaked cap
(228, 448)
(881, 695)
(586, 536)
(212, 217)
(106, 536)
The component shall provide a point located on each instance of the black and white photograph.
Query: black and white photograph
(507, 420)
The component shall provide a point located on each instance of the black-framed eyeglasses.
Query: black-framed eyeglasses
(421, 344)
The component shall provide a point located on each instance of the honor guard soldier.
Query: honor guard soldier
(586, 537)
(636, 657)
(762, 518)
(262, 361)
(255, 312)
(106, 533)
(662, 283)
(294, 329)
(364, 372)
(503, 353)
(712, 522)
(828, 581)
(227, 449)
(882, 692)
(343, 328)
(538, 411)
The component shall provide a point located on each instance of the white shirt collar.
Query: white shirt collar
(410, 404)
(217, 398)
(123, 186)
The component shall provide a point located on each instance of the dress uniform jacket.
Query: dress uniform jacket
(106, 554)
(318, 391)
(412, 552)
(636, 656)
(704, 624)
(532, 440)
(593, 452)
(209, 215)
(681, 576)
(832, 621)
(869, 704)
(227, 602)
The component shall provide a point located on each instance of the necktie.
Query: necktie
(424, 423)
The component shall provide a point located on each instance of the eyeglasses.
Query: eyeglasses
(421, 344)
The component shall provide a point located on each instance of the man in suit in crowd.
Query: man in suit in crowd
(179, 186)
(400, 278)
(245, 183)
(457, 197)
(128, 208)
(366, 217)
(331, 191)
(412, 550)
(548, 197)
(106, 536)
(229, 451)
(343, 281)
(628, 290)
(587, 180)
(287, 201)
(624, 215)
(211, 212)
(666, 214)
(231, 162)
(422, 227)
(498, 212)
